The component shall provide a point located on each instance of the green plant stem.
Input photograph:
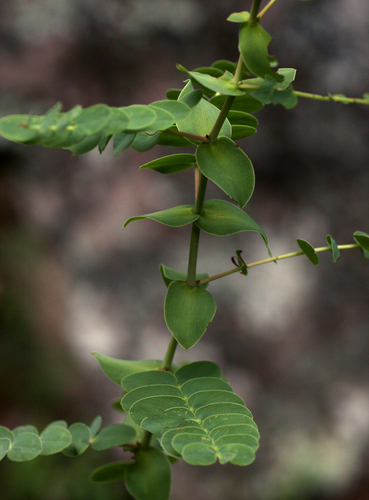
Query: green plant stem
(145, 442)
(265, 10)
(332, 98)
(185, 134)
(169, 355)
(254, 11)
(274, 259)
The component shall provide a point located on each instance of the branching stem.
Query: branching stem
(254, 11)
(332, 98)
(265, 10)
(274, 259)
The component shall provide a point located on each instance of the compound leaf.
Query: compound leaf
(194, 414)
(116, 369)
(228, 167)
(188, 312)
(149, 477)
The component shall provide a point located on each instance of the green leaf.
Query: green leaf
(169, 139)
(171, 164)
(113, 435)
(116, 369)
(164, 119)
(4, 447)
(221, 218)
(194, 413)
(25, 428)
(241, 118)
(228, 167)
(104, 142)
(245, 103)
(172, 94)
(173, 217)
(179, 110)
(143, 142)
(362, 239)
(121, 142)
(225, 65)
(18, 128)
(58, 423)
(54, 439)
(242, 131)
(93, 119)
(188, 312)
(202, 119)
(334, 248)
(85, 145)
(6, 433)
(109, 473)
(26, 446)
(149, 478)
(223, 84)
(253, 46)
(140, 117)
(189, 96)
(170, 275)
(80, 440)
(95, 426)
(309, 251)
(239, 17)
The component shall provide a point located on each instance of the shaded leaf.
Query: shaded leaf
(241, 118)
(228, 167)
(171, 164)
(140, 117)
(121, 142)
(104, 142)
(188, 312)
(54, 439)
(225, 65)
(85, 145)
(309, 251)
(80, 440)
(149, 478)
(4, 447)
(95, 426)
(242, 131)
(245, 103)
(362, 239)
(169, 139)
(239, 17)
(26, 446)
(223, 84)
(116, 369)
(109, 473)
(25, 428)
(172, 94)
(173, 217)
(143, 142)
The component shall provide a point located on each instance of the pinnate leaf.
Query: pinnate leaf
(188, 312)
(201, 420)
(229, 167)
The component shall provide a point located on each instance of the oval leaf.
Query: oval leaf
(245, 103)
(4, 447)
(188, 312)
(26, 446)
(170, 275)
(309, 251)
(80, 440)
(362, 239)
(109, 473)
(149, 478)
(113, 435)
(54, 439)
(334, 248)
(228, 167)
(143, 142)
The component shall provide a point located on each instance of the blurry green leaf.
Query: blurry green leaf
(149, 478)
(222, 218)
(225, 65)
(87, 144)
(168, 139)
(143, 142)
(179, 110)
(50, 117)
(245, 103)
(228, 167)
(239, 17)
(202, 119)
(4, 447)
(164, 119)
(334, 248)
(194, 413)
(116, 369)
(6, 433)
(104, 142)
(140, 117)
(24, 428)
(170, 275)
(54, 439)
(241, 118)
(17, 128)
(58, 423)
(309, 251)
(362, 239)
(121, 142)
(253, 46)
(173, 217)
(171, 164)
(80, 440)
(172, 94)
(206, 70)
(26, 446)
(242, 131)
(93, 119)
(109, 473)
(113, 435)
(95, 426)
(188, 312)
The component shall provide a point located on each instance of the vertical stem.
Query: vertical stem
(169, 355)
(254, 11)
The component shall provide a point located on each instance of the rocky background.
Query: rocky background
(292, 338)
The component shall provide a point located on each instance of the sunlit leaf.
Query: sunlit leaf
(239, 17)
(223, 84)
(140, 117)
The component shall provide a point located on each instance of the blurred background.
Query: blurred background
(292, 338)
